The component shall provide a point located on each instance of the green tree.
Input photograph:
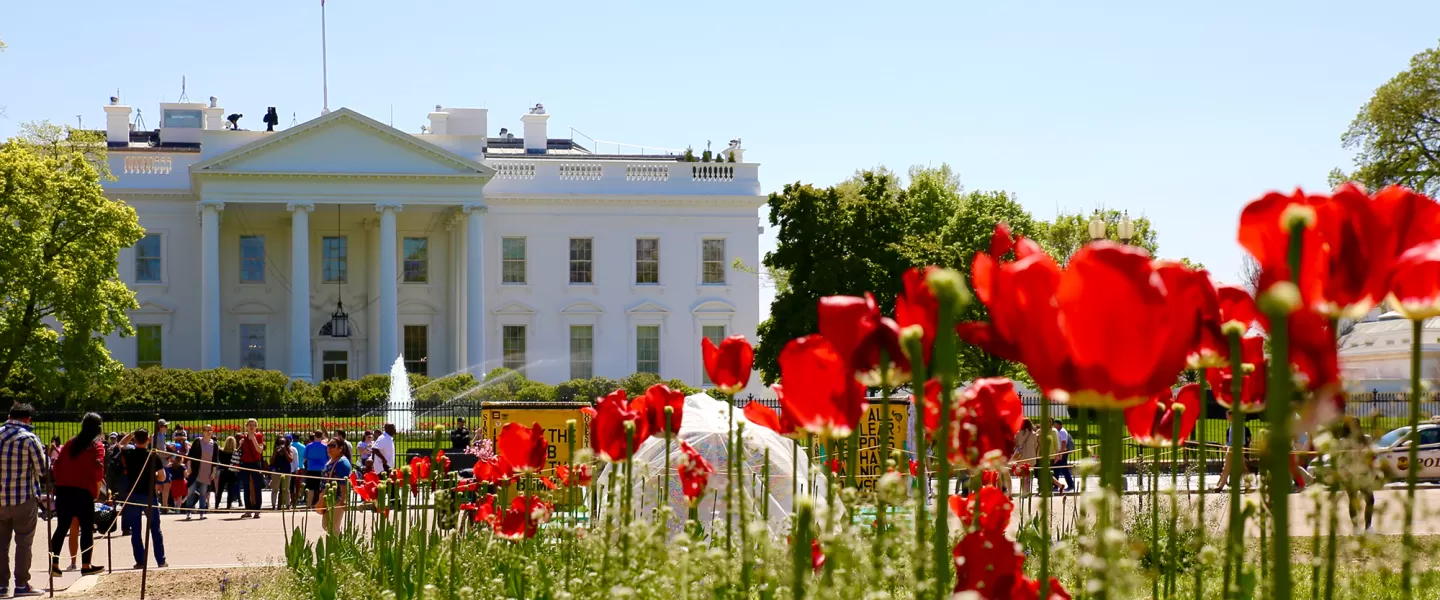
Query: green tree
(838, 240)
(60, 289)
(1397, 133)
(1069, 231)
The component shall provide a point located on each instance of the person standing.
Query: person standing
(337, 467)
(203, 455)
(282, 464)
(384, 449)
(22, 466)
(143, 468)
(252, 465)
(460, 436)
(1026, 450)
(162, 435)
(1064, 446)
(316, 455)
(297, 466)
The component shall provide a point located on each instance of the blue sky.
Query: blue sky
(1178, 111)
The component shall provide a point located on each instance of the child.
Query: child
(175, 472)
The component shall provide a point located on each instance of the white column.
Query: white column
(388, 280)
(210, 283)
(300, 290)
(475, 286)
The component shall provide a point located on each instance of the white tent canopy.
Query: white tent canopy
(704, 427)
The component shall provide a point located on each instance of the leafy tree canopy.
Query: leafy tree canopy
(1396, 135)
(60, 289)
(1069, 231)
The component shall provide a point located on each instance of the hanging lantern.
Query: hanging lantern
(339, 322)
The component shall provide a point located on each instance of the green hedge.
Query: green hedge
(173, 391)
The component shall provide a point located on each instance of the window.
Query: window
(647, 349)
(252, 345)
(512, 345)
(252, 259)
(580, 263)
(647, 260)
(416, 345)
(182, 119)
(148, 352)
(715, 333)
(417, 260)
(147, 259)
(712, 261)
(512, 260)
(335, 364)
(333, 264)
(582, 351)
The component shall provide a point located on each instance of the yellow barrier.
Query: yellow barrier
(551, 416)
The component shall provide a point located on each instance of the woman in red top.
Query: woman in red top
(252, 461)
(78, 472)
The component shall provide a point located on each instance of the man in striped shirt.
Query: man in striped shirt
(22, 465)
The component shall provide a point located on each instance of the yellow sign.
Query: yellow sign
(872, 464)
(551, 416)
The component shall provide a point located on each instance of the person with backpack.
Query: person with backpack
(281, 466)
(78, 470)
(143, 469)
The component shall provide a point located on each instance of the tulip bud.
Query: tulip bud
(1281, 299)
(1235, 328)
(948, 285)
(912, 338)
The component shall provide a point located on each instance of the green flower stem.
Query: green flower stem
(877, 550)
(1330, 546)
(915, 350)
(1045, 433)
(1202, 525)
(1277, 412)
(1319, 515)
(1175, 449)
(730, 472)
(1155, 518)
(1111, 471)
(1082, 423)
(794, 470)
(1407, 569)
(830, 511)
(944, 358)
(744, 512)
(629, 489)
(664, 499)
(1233, 457)
(800, 551)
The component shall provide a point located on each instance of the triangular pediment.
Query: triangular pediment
(582, 308)
(515, 308)
(343, 142)
(648, 307)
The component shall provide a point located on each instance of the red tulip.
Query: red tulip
(1029, 589)
(523, 518)
(759, 414)
(913, 467)
(984, 420)
(917, 305)
(1237, 306)
(1313, 352)
(419, 471)
(523, 447)
(820, 389)
(1152, 422)
(562, 473)
(1024, 319)
(484, 511)
(467, 485)
(835, 466)
(995, 509)
(657, 397)
(1195, 301)
(817, 556)
(547, 482)
(860, 333)
(367, 490)
(1002, 335)
(1253, 385)
(494, 470)
(607, 426)
(1264, 234)
(1415, 281)
(694, 472)
(988, 563)
(583, 474)
(729, 365)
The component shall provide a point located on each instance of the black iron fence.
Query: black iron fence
(1377, 413)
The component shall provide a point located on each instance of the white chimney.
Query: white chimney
(734, 150)
(466, 121)
(535, 137)
(439, 121)
(214, 116)
(117, 122)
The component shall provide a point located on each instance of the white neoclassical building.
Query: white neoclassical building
(456, 249)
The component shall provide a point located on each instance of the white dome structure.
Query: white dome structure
(704, 427)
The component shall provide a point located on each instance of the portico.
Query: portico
(326, 169)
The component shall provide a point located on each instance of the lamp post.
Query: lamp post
(1097, 227)
(1126, 229)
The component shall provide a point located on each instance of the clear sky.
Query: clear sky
(1180, 111)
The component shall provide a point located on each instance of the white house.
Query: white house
(459, 250)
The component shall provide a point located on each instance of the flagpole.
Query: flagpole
(324, 64)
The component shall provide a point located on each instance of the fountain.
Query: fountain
(400, 409)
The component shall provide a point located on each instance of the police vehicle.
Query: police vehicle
(1395, 447)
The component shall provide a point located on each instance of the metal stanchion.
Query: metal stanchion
(51, 557)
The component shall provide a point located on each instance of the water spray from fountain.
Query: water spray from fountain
(400, 409)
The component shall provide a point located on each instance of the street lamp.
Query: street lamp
(1097, 227)
(1126, 229)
